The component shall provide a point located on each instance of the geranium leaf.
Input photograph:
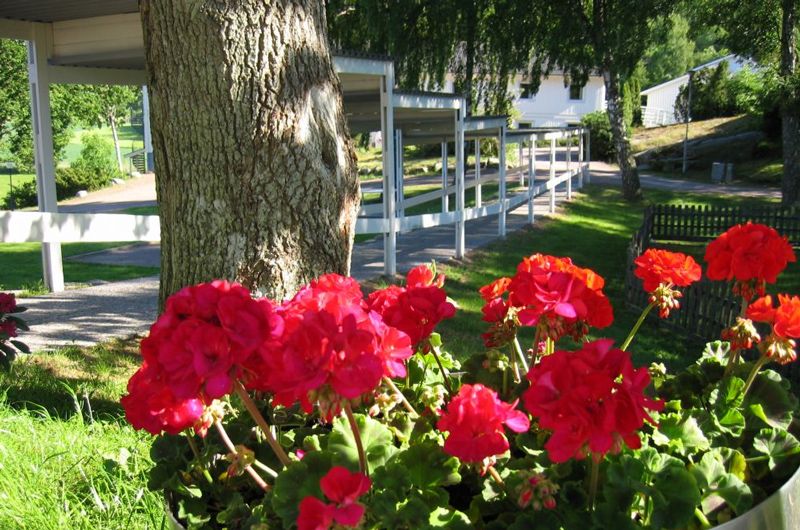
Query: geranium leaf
(656, 462)
(727, 394)
(449, 518)
(298, 481)
(770, 400)
(377, 439)
(684, 436)
(675, 496)
(719, 486)
(21, 346)
(777, 445)
(21, 324)
(715, 352)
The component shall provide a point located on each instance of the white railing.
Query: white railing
(657, 117)
(46, 227)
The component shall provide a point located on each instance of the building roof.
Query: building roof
(685, 77)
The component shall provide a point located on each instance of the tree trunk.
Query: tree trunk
(256, 172)
(790, 113)
(631, 189)
(112, 120)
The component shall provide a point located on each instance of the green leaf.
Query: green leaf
(377, 439)
(675, 497)
(719, 486)
(684, 436)
(777, 445)
(21, 346)
(21, 324)
(727, 394)
(449, 518)
(771, 401)
(656, 462)
(427, 466)
(715, 352)
(299, 480)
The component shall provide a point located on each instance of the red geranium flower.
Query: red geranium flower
(750, 254)
(418, 308)
(8, 329)
(8, 302)
(495, 289)
(474, 420)
(785, 321)
(656, 267)
(331, 349)
(592, 399)
(343, 488)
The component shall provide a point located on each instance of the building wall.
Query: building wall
(551, 106)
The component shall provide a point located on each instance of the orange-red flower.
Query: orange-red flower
(656, 267)
(748, 253)
(495, 289)
(785, 320)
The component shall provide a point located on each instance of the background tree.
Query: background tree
(767, 31)
(15, 108)
(257, 175)
(107, 105)
(474, 41)
(609, 36)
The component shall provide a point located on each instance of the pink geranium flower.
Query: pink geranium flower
(343, 488)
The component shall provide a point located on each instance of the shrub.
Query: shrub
(96, 158)
(602, 140)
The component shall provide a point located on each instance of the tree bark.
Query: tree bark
(790, 113)
(256, 176)
(631, 188)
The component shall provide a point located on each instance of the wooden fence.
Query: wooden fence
(706, 307)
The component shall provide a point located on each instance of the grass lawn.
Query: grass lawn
(130, 139)
(594, 231)
(17, 180)
(68, 458)
(648, 138)
(21, 265)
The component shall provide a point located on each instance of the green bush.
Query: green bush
(602, 139)
(97, 158)
(22, 196)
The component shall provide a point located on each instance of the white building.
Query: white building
(554, 104)
(658, 102)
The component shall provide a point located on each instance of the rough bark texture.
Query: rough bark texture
(631, 188)
(790, 107)
(256, 173)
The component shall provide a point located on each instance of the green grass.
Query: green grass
(594, 231)
(17, 180)
(21, 265)
(68, 458)
(141, 210)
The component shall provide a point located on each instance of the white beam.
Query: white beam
(389, 168)
(501, 223)
(426, 101)
(531, 178)
(445, 196)
(478, 190)
(49, 227)
(39, 84)
(552, 173)
(460, 203)
(148, 137)
(82, 75)
(15, 29)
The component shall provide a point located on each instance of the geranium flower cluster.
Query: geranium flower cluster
(343, 488)
(418, 307)
(332, 349)
(474, 419)
(205, 341)
(785, 321)
(8, 305)
(592, 400)
(751, 254)
(548, 292)
(660, 271)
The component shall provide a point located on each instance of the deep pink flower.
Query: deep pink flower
(343, 488)
(474, 420)
(8, 329)
(8, 302)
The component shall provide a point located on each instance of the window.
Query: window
(644, 100)
(526, 91)
(575, 92)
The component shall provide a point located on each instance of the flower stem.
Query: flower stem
(753, 373)
(445, 375)
(265, 468)
(232, 448)
(496, 476)
(262, 424)
(550, 346)
(593, 479)
(515, 366)
(536, 339)
(362, 456)
(519, 351)
(196, 451)
(704, 522)
(636, 326)
(404, 401)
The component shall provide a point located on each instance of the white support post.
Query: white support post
(501, 223)
(581, 167)
(460, 203)
(389, 169)
(531, 177)
(148, 138)
(400, 173)
(569, 165)
(445, 197)
(39, 85)
(521, 171)
(478, 191)
(588, 156)
(552, 175)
